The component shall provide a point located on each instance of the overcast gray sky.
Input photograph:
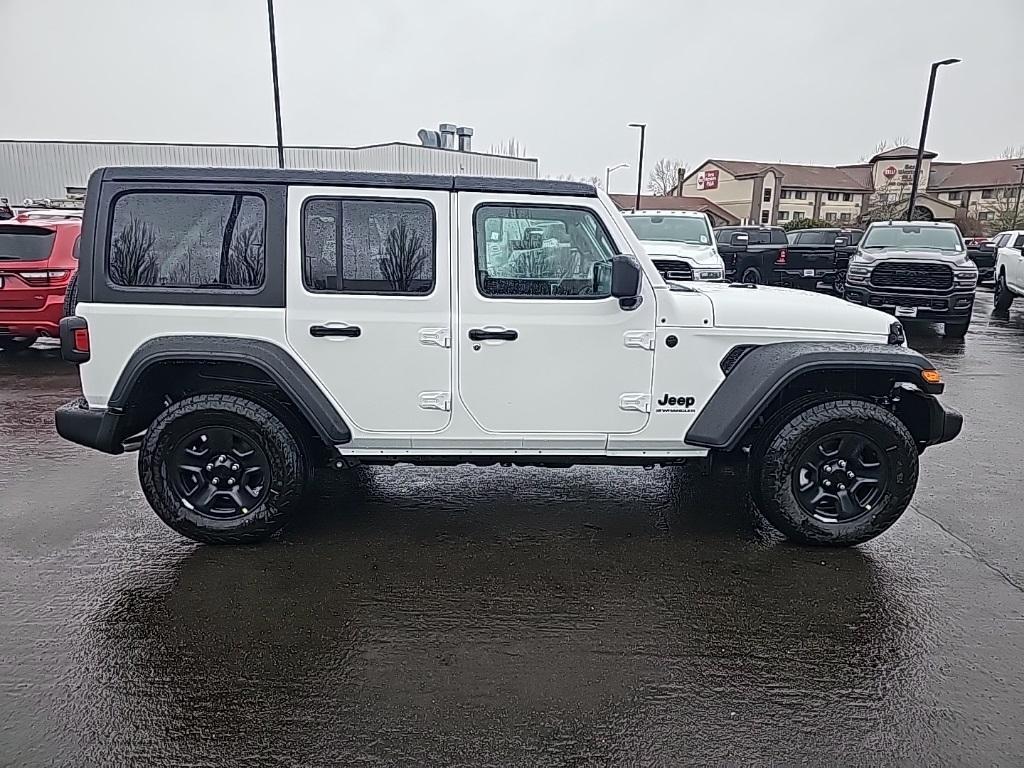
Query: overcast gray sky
(817, 82)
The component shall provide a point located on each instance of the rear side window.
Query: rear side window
(1019, 242)
(386, 246)
(197, 240)
(24, 243)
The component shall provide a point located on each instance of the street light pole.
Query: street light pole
(924, 134)
(277, 89)
(640, 164)
(608, 172)
(1016, 206)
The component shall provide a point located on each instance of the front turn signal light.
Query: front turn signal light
(931, 376)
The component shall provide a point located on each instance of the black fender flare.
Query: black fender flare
(761, 374)
(275, 361)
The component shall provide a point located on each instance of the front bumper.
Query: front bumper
(944, 307)
(944, 424)
(93, 428)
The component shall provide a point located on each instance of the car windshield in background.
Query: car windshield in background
(21, 243)
(671, 229)
(911, 237)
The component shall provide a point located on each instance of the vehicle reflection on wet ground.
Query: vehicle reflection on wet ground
(509, 616)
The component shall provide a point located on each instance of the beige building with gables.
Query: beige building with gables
(774, 193)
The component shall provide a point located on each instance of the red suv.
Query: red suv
(38, 258)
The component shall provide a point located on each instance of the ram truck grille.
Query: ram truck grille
(673, 270)
(929, 277)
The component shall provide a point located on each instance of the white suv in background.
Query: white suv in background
(680, 243)
(1009, 267)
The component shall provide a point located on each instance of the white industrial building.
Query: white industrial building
(50, 169)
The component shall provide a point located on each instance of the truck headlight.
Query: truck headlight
(709, 274)
(966, 278)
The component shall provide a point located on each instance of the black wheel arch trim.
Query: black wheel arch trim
(279, 365)
(761, 374)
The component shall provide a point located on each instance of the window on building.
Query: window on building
(785, 194)
(783, 215)
(954, 195)
(387, 246)
(798, 215)
(765, 216)
(847, 197)
(833, 196)
(800, 194)
(844, 217)
(767, 196)
(830, 216)
(530, 251)
(209, 241)
(983, 215)
(988, 194)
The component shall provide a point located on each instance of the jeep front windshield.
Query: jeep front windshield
(671, 229)
(910, 237)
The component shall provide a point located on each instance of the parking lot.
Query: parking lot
(515, 616)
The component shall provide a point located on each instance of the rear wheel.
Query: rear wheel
(837, 473)
(16, 343)
(752, 275)
(1003, 298)
(222, 469)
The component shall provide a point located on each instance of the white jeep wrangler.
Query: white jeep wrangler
(241, 327)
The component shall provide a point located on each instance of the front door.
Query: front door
(369, 302)
(542, 345)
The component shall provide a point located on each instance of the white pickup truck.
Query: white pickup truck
(680, 244)
(240, 328)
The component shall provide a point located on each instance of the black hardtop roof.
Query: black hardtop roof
(296, 176)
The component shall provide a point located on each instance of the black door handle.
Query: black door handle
(479, 334)
(319, 331)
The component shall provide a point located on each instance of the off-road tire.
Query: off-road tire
(16, 343)
(288, 470)
(752, 276)
(1003, 297)
(956, 330)
(772, 476)
(71, 297)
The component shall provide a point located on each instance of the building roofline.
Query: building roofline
(271, 147)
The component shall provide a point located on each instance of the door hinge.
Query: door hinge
(438, 336)
(635, 402)
(436, 401)
(639, 339)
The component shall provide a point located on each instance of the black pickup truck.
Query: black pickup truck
(818, 258)
(752, 259)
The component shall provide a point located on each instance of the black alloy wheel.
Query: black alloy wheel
(840, 477)
(219, 472)
(751, 276)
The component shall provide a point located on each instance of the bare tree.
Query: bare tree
(229, 235)
(247, 267)
(884, 144)
(1012, 152)
(131, 258)
(1003, 211)
(597, 181)
(664, 176)
(404, 256)
(511, 147)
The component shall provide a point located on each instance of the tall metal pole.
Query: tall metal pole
(640, 164)
(277, 89)
(608, 174)
(1016, 206)
(924, 134)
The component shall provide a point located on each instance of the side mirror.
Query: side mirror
(842, 241)
(739, 240)
(626, 282)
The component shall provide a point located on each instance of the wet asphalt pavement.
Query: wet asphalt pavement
(516, 616)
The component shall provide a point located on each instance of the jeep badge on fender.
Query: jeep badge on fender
(461, 320)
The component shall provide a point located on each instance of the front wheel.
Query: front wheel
(836, 474)
(1002, 298)
(221, 469)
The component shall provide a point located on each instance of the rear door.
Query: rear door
(542, 346)
(369, 302)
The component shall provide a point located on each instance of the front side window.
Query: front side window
(359, 245)
(671, 229)
(1019, 242)
(188, 240)
(535, 251)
